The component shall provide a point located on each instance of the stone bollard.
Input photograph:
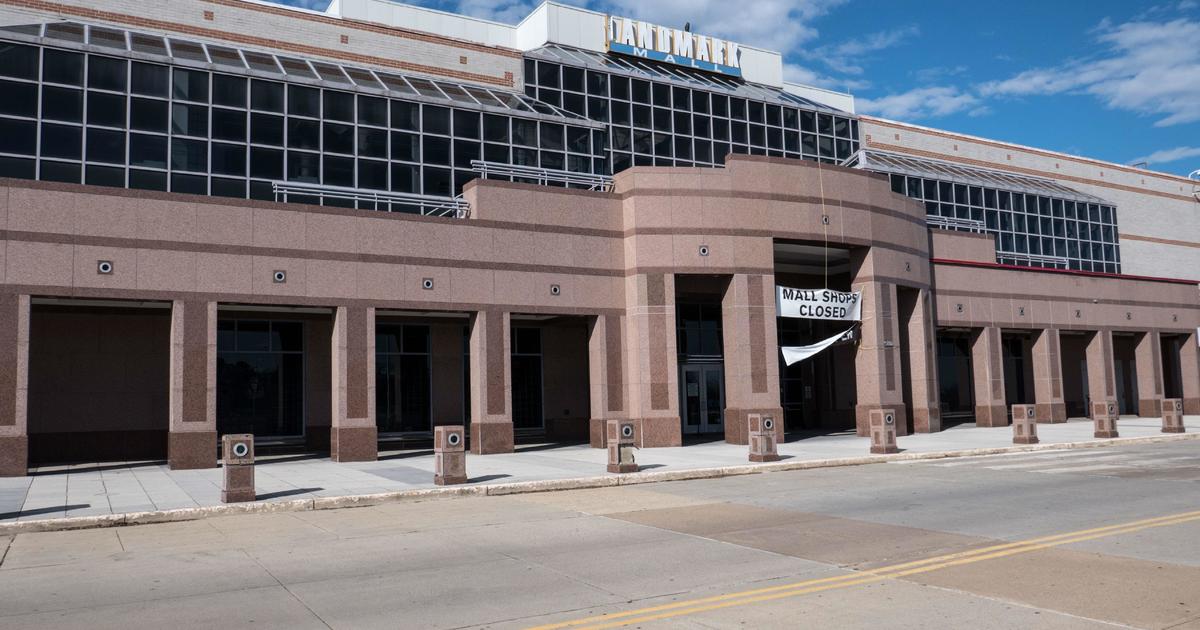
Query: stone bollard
(1024, 424)
(1172, 415)
(620, 443)
(449, 455)
(1104, 415)
(883, 431)
(762, 438)
(237, 451)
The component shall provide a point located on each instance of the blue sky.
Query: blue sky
(1115, 80)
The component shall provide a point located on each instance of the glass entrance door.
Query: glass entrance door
(702, 404)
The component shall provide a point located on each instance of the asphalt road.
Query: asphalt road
(1070, 539)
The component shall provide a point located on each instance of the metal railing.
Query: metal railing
(1033, 259)
(543, 176)
(953, 223)
(363, 199)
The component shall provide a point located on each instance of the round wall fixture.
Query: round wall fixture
(241, 449)
(889, 419)
(704, 250)
(627, 430)
(555, 289)
(104, 267)
(427, 284)
(279, 276)
(453, 439)
(769, 424)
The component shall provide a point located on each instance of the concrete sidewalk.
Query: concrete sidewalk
(123, 487)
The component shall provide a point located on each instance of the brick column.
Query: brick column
(651, 361)
(1047, 377)
(353, 436)
(987, 363)
(14, 385)
(192, 401)
(1189, 372)
(922, 363)
(751, 354)
(1102, 382)
(1148, 358)
(877, 365)
(491, 383)
(606, 374)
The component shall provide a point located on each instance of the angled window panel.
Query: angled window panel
(107, 37)
(66, 31)
(296, 67)
(425, 87)
(227, 57)
(330, 73)
(395, 83)
(362, 77)
(182, 49)
(261, 62)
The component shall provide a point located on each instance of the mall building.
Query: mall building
(337, 230)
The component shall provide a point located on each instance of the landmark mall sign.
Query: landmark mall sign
(672, 45)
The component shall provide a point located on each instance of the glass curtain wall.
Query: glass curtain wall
(1083, 235)
(403, 378)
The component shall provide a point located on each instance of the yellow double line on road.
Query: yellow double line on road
(742, 598)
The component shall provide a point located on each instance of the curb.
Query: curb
(524, 487)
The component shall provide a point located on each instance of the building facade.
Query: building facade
(337, 230)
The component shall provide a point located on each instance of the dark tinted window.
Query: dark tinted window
(339, 106)
(104, 176)
(436, 120)
(148, 114)
(105, 146)
(62, 104)
(190, 184)
(339, 171)
(339, 138)
(147, 150)
(61, 141)
(304, 101)
(266, 129)
(228, 159)
(147, 180)
(60, 172)
(372, 111)
(304, 134)
(228, 90)
(60, 66)
(266, 163)
(191, 85)
(106, 109)
(406, 115)
(189, 155)
(266, 95)
(20, 99)
(189, 120)
(18, 136)
(229, 124)
(18, 61)
(495, 128)
(149, 79)
(106, 73)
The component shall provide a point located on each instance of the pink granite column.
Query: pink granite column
(1047, 377)
(353, 436)
(14, 385)
(491, 378)
(922, 364)
(1102, 383)
(192, 401)
(751, 354)
(1148, 360)
(1189, 372)
(877, 365)
(987, 363)
(606, 374)
(652, 378)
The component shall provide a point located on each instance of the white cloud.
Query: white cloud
(846, 57)
(925, 102)
(1166, 156)
(1151, 68)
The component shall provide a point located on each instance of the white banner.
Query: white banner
(818, 304)
(795, 354)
